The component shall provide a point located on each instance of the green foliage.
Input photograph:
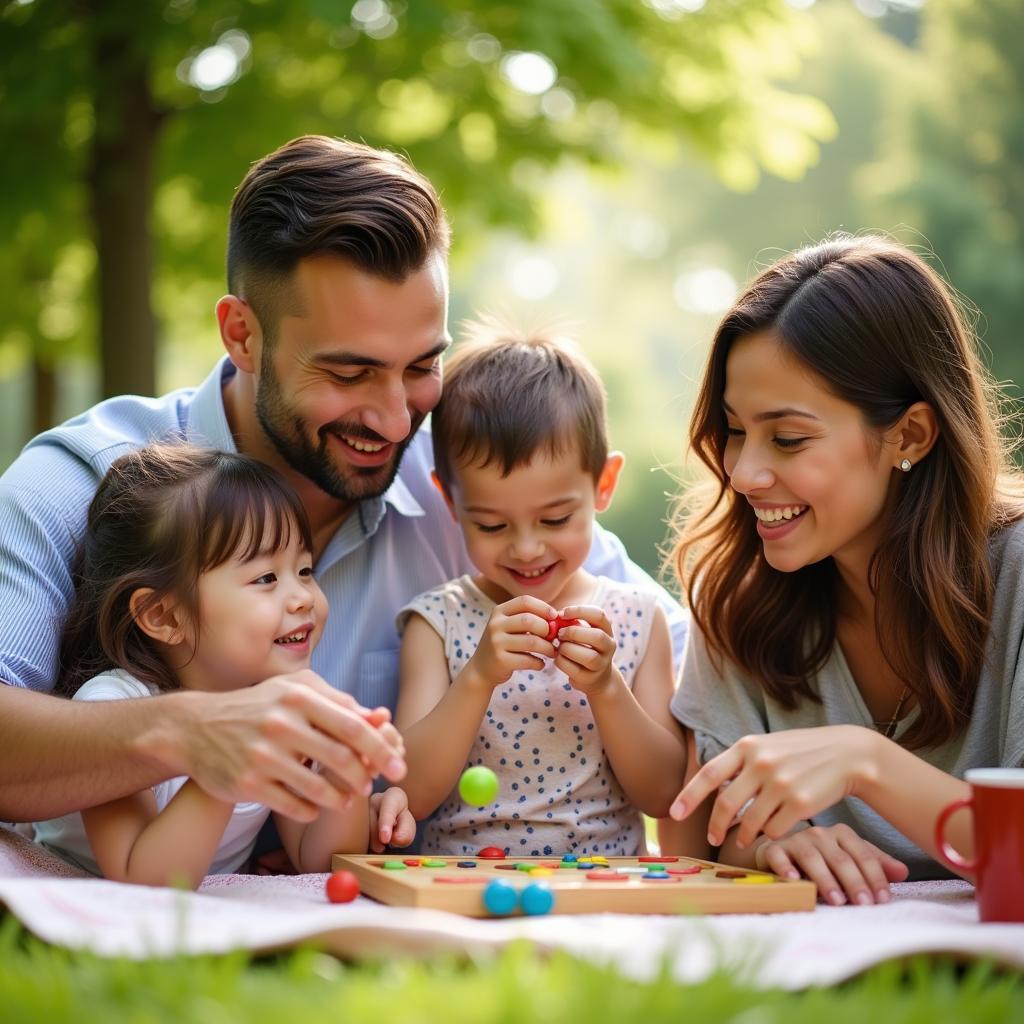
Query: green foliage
(40, 984)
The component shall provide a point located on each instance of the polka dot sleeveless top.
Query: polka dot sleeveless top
(557, 793)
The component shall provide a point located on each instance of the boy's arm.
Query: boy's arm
(608, 557)
(643, 741)
(687, 838)
(437, 716)
(133, 843)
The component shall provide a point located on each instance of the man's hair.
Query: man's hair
(509, 395)
(319, 196)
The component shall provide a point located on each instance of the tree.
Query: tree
(124, 121)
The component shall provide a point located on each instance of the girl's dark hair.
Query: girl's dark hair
(882, 331)
(162, 516)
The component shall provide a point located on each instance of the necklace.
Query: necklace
(888, 729)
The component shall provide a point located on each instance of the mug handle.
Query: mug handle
(946, 852)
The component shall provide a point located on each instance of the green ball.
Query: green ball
(478, 786)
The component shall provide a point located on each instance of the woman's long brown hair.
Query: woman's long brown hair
(882, 331)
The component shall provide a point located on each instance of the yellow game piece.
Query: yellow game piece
(540, 872)
(754, 880)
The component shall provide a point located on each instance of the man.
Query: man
(334, 331)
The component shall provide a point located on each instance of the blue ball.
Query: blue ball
(536, 899)
(500, 898)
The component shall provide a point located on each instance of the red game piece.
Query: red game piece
(657, 860)
(342, 887)
(605, 876)
(411, 862)
(492, 853)
(693, 869)
(557, 623)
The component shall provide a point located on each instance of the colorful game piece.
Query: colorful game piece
(657, 860)
(394, 865)
(754, 880)
(342, 887)
(500, 898)
(557, 623)
(411, 862)
(466, 864)
(658, 876)
(492, 853)
(730, 874)
(434, 862)
(606, 876)
(569, 858)
(693, 869)
(540, 872)
(478, 786)
(536, 899)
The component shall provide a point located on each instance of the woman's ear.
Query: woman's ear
(444, 493)
(161, 619)
(608, 480)
(914, 435)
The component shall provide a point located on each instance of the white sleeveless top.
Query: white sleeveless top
(557, 793)
(66, 836)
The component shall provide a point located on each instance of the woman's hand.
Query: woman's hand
(391, 824)
(776, 780)
(841, 864)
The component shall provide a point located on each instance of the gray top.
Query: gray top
(722, 706)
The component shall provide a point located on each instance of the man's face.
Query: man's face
(353, 370)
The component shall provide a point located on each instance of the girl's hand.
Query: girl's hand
(776, 780)
(841, 864)
(513, 639)
(585, 652)
(391, 824)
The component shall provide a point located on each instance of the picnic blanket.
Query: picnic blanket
(269, 913)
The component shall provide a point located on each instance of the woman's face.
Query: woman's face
(815, 475)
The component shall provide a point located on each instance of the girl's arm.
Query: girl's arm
(132, 842)
(310, 845)
(437, 716)
(644, 743)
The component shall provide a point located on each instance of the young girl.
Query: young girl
(196, 573)
(577, 726)
(854, 575)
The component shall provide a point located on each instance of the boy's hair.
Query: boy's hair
(163, 515)
(508, 395)
(319, 196)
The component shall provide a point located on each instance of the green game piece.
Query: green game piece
(570, 864)
(523, 866)
(393, 865)
(432, 862)
(655, 867)
(478, 786)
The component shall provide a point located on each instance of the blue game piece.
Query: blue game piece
(569, 858)
(585, 867)
(466, 864)
(500, 898)
(659, 875)
(536, 899)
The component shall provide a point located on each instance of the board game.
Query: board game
(625, 885)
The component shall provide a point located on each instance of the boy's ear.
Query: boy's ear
(240, 332)
(444, 494)
(162, 620)
(608, 480)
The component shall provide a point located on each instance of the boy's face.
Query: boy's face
(529, 532)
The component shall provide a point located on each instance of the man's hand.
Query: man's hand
(514, 638)
(255, 745)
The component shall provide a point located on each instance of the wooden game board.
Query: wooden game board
(713, 889)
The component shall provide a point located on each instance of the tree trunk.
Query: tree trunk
(121, 189)
(44, 396)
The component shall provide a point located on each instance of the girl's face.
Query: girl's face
(529, 532)
(814, 474)
(257, 619)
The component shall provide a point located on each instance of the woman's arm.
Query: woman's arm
(133, 843)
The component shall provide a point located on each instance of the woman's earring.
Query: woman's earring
(906, 465)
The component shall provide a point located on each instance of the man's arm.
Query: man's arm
(242, 746)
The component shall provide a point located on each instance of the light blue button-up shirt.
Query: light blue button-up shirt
(389, 550)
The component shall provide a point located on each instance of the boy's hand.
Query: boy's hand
(585, 651)
(513, 639)
(391, 824)
(841, 864)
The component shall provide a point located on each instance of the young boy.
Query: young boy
(556, 680)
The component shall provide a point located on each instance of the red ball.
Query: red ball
(557, 623)
(342, 887)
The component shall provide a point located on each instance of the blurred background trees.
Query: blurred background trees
(619, 165)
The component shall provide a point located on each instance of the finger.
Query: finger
(533, 643)
(849, 873)
(777, 860)
(585, 636)
(589, 613)
(294, 741)
(584, 657)
(373, 807)
(283, 801)
(378, 716)
(814, 867)
(392, 803)
(753, 816)
(731, 799)
(718, 770)
(895, 870)
(527, 622)
(527, 603)
(405, 830)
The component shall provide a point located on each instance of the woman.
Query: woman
(854, 577)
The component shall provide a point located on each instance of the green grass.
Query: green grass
(39, 984)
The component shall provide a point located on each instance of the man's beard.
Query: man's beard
(290, 436)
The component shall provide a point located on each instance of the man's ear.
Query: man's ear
(161, 619)
(444, 494)
(240, 332)
(608, 480)
(914, 435)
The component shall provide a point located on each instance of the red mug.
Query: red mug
(997, 800)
